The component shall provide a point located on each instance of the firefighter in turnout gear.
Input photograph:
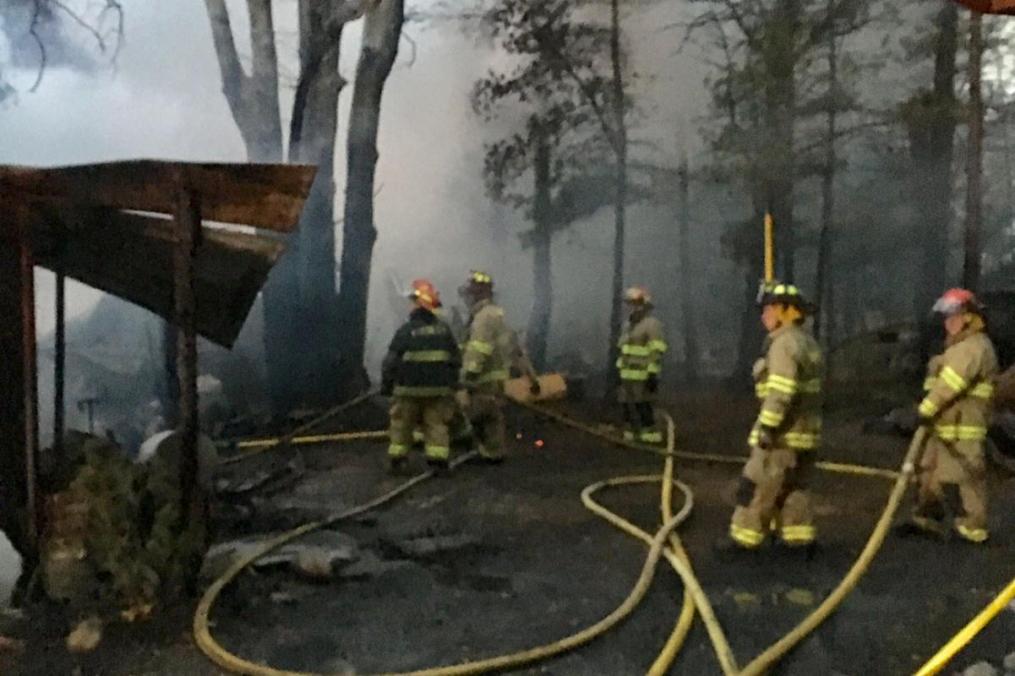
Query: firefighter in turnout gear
(420, 371)
(773, 493)
(956, 409)
(641, 349)
(490, 350)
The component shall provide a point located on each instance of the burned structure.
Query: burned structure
(162, 235)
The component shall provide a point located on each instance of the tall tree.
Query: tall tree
(931, 116)
(300, 293)
(382, 33)
(974, 159)
(559, 85)
(763, 139)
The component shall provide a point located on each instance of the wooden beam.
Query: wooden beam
(268, 196)
(188, 237)
(12, 382)
(30, 371)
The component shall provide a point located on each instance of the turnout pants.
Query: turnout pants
(773, 496)
(639, 413)
(953, 484)
(486, 415)
(432, 414)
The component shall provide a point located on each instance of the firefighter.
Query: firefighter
(956, 410)
(420, 371)
(641, 348)
(491, 349)
(773, 493)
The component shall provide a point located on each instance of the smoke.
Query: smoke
(163, 100)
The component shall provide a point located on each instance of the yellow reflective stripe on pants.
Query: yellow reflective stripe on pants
(637, 375)
(746, 537)
(636, 350)
(761, 390)
(426, 356)
(652, 437)
(982, 391)
(397, 450)
(802, 441)
(961, 432)
(953, 379)
(770, 418)
(798, 534)
(421, 391)
(976, 535)
(655, 369)
(480, 346)
(438, 452)
(493, 376)
(658, 346)
(929, 384)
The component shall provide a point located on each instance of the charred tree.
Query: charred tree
(974, 159)
(931, 117)
(692, 356)
(312, 141)
(822, 325)
(542, 238)
(619, 142)
(381, 36)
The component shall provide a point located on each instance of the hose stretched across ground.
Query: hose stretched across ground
(657, 549)
(694, 598)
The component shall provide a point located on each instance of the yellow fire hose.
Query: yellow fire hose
(962, 639)
(657, 548)
(665, 543)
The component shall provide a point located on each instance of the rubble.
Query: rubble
(315, 555)
(981, 669)
(86, 636)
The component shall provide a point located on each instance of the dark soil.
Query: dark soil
(525, 564)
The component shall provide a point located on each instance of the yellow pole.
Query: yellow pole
(961, 639)
(769, 248)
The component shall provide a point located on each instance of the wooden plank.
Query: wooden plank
(268, 196)
(129, 255)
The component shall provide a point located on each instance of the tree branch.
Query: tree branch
(234, 80)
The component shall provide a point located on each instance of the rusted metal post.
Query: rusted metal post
(188, 234)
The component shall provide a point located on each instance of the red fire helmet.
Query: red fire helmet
(990, 6)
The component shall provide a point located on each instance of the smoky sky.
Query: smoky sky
(163, 100)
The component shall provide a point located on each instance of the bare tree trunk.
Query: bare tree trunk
(932, 133)
(974, 160)
(620, 208)
(253, 100)
(312, 140)
(381, 35)
(780, 58)
(687, 291)
(542, 286)
(821, 325)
